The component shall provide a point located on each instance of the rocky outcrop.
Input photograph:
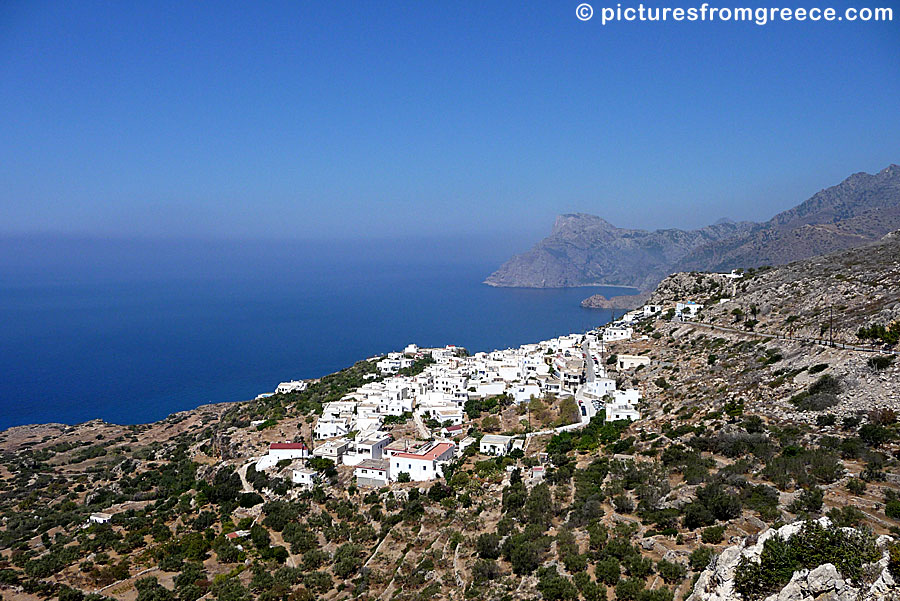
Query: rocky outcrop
(630, 301)
(822, 583)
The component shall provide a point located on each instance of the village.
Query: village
(355, 431)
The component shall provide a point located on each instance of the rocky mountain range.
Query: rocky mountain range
(587, 250)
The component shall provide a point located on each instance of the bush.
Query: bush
(700, 558)
(670, 572)
(623, 504)
(829, 419)
(880, 362)
(555, 587)
(713, 535)
(488, 545)
(485, 570)
(814, 402)
(874, 435)
(856, 486)
(629, 590)
(813, 546)
(809, 501)
(820, 395)
(608, 571)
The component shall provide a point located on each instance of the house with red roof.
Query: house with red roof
(423, 464)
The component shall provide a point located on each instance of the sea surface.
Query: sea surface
(133, 331)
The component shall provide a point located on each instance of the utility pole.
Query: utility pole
(529, 413)
(831, 324)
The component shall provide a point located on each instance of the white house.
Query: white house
(614, 333)
(282, 450)
(523, 394)
(599, 388)
(393, 363)
(489, 389)
(465, 443)
(372, 472)
(423, 465)
(333, 449)
(330, 427)
(631, 361)
(305, 477)
(451, 431)
(687, 310)
(619, 411)
(292, 386)
(288, 450)
(632, 396)
(493, 444)
(100, 518)
(372, 447)
(623, 405)
(651, 310)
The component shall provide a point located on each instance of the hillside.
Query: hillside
(742, 436)
(584, 249)
(830, 296)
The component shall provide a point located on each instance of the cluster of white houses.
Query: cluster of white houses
(351, 430)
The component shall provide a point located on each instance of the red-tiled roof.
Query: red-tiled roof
(434, 453)
(287, 445)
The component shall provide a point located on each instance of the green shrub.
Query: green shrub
(713, 535)
(880, 362)
(700, 558)
(811, 547)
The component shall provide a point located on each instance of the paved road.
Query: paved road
(589, 361)
(424, 432)
(820, 342)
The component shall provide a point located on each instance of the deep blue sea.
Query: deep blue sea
(132, 331)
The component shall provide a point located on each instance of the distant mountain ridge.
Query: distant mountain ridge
(585, 249)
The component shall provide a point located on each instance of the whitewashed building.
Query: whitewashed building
(631, 361)
(292, 386)
(333, 449)
(426, 464)
(687, 310)
(614, 333)
(493, 444)
(372, 472)
(304, 477)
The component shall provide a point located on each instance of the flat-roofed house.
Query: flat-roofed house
(494, 444)
(372, 472)
(631, 361)
(333, 449)
(305, 477)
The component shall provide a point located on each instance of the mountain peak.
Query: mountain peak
(579, 222)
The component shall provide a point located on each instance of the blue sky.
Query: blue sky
(314, 120)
